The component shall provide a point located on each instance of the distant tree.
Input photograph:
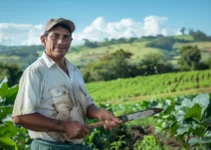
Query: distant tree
(154, 63)
(208, 62)
(183, 30)
(112, 66)
(113, 41)
(190, 57)
(90, 44)
(106, 39)
(122, 40)
(162, 42)
(191, 31)
(12, 72)
(132, 39)
(198, 35)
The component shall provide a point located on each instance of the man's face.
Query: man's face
(57, 42)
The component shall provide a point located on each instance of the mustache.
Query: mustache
(61, 47)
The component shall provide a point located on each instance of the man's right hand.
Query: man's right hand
(40, 123)
(75, 130)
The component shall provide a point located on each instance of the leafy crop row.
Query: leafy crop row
(150, 85)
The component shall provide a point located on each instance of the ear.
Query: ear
(43, 40)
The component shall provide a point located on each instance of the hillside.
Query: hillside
(86, 54)
(80, 55)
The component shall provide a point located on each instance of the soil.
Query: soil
(162, 138)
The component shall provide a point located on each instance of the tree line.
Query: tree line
(117, 65)
(158, 41)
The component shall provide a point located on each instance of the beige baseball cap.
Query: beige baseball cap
(54, 21)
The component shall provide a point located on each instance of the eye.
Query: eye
(68, 37)
(54, 36)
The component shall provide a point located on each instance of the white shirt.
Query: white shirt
(45, 88)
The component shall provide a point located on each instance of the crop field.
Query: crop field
(183, 124)
(125, 89)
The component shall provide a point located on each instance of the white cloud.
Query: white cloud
(19, 34)
(98, 30)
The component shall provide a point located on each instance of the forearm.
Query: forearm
(38, 122)
(93, 111)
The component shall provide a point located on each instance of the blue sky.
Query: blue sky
(164, 16)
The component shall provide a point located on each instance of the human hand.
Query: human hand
(110, 121)
(75, 130)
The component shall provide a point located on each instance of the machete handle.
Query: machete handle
(100, 123)
(96, 125)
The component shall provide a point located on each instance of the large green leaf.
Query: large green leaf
(11, 94)
(7, 143)
(194, 112)
(196, 140)
(202, 100)
(179, 115)
(199, 131)
(3, 88)
(169, 109)
(182, 129)
(4, 111)
(186, 102)
(8, 130)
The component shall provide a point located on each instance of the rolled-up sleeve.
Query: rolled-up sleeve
(29, 93)
(90, 100)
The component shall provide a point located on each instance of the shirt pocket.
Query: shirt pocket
(61, 98)
(81, 96)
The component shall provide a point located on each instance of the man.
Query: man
(52, 101)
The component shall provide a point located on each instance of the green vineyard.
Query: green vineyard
(149, 85)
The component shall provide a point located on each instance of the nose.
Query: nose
(61, 41)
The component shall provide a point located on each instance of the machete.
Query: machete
(125, 118)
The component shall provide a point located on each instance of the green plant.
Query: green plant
(189, 120)
(148, 143)
(116, 145)
(12, 137)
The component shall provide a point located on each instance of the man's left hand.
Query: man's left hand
(110, 120)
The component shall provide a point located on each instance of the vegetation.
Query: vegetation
(124, 90)
(22, 56)
(162, 43)
(184, 118)
(185, 121)
(11, 137)
(12, 72)
(109, 67)
(189, 120)
(91, 51)
(189, 58)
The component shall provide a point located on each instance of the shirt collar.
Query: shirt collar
(49, 62)
(69, 65)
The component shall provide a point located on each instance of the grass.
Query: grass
(184, 37)
(86, 54)
(204, 46)
(9, 58)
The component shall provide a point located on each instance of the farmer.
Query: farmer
(52, 101)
